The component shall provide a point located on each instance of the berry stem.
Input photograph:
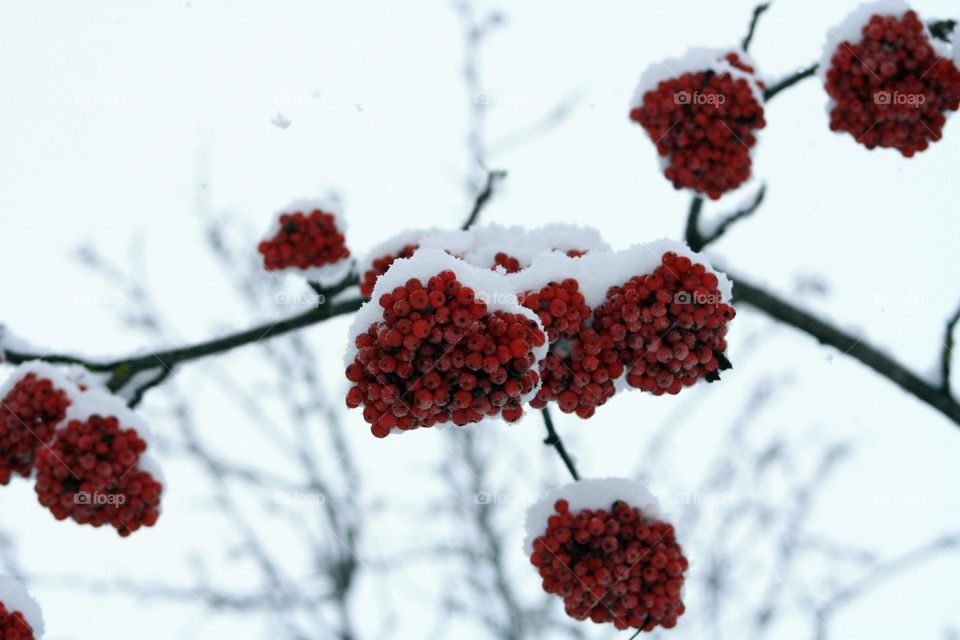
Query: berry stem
(757, 12)
(493, 178)
(789, 81)
(698, 240)
(692, 234)
(553, 440)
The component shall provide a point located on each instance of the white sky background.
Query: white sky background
(112, 112)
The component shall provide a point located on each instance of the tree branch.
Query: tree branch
(947, 353)
(849, 345)
(788, 82)
(553, 440)
(757, 12)
(493, 178)
(725, 224)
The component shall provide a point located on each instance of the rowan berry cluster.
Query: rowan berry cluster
(667, 327)
(29, 413)
(86, 447)
(703, 122)
(891, 88)
(614, 562)
(303, 240)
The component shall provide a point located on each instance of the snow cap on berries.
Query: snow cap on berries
(34, 400)
(20, 615)
(307, 238)
(702, 111)
(379, 258)
(96, 469)
(602, 546)
(441, 341)
(890, 83)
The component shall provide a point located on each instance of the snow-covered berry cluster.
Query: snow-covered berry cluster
(442, 346)
(702, 112)
(890, 84)
(600, 546)
(653, 317)
(29, 413)
(668, 327)
(20, 615)
(87, 448)
(307, 237)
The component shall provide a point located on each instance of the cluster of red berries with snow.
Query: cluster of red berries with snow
(703, 121)
(379, 266)
(86, 447)
(581, 366)
(20, 615)
(650, 316)
(91, 473)
(668, 327)
(608, 558)
(29, 413)
(891, 87)
(438, 353)
(306, 237)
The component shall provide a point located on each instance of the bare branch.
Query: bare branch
(731, 219)
(553, 440)
(759, 11)
(493, 178)
(789, 81)
(947, 354)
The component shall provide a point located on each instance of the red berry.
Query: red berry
(891, 89)
(13, 625)
(379, 267)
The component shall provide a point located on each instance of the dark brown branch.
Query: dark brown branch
(789, 81)
(947, 354)
(849, 345)
(759, 11)
(553, 440)
(730, 220)
(493, 178)
(692, 234)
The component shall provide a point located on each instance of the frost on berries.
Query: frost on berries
(889, 84)
(93, 472)
(702, 112)
(306, 237)
(669, 326)
(602, 548)
(29, 413)
(436, 352)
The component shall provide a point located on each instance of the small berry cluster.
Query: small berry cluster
(580, 367)
(13, 625)
(892, 89)
(90, 473)
(438, 354)
(304, 240)
(29, 415)
(506, 262)
(703, 122)
(618, 565)
(668, 327)
(379, 266)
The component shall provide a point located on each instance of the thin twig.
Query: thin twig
(692, 234)
(553, 440)
(493, 178)
(761, 8)
(942, 29)
(732, 219)
(789, 81)
(947, 354)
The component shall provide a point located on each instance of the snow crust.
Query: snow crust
(15, 597)
(327, 275)
(394, 244)
(58, 376)
(588, 493)
(695, 60)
